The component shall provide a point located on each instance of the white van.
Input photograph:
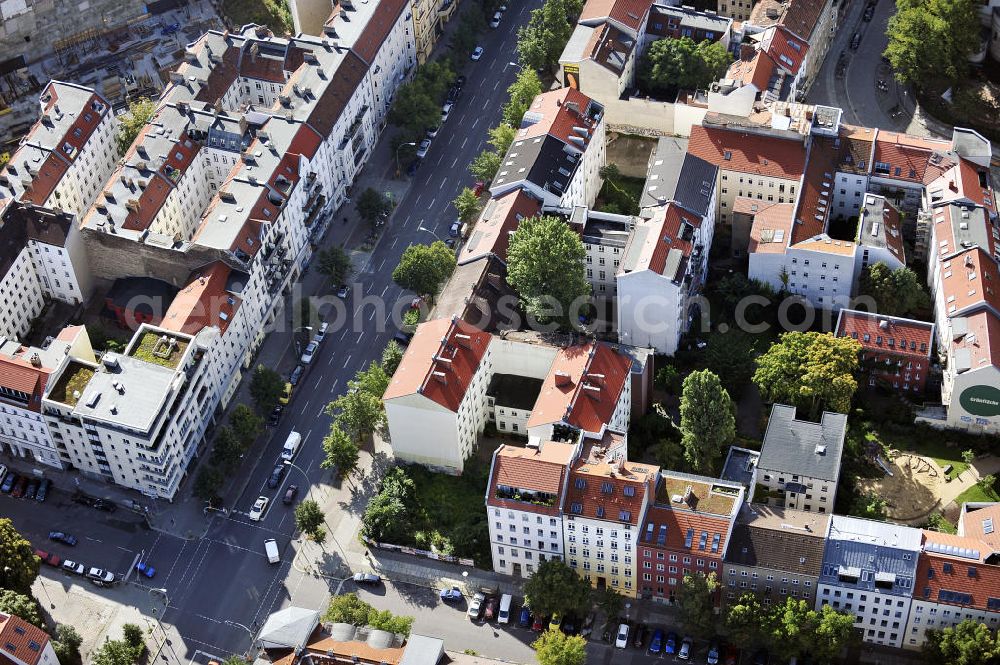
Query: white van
(271, 550)
(504, 615)
(291, 445)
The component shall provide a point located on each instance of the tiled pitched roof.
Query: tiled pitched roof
(748, 153)
(906, 155)
(778, 539)
(628, 13)
(21, 640)
(753, 66)
(500, 217)
(981, 341)
(786, 49)
(539, 469)
(856, 145)
(440, 362)
(910, 338)
(205, 301)
(582, 388)
(969, 279)
(956, 564)
(678, 523)
(379, 25)
(772, 224)
(333, 100)
(977, 522)
(815, 198)
(556, 113)
(799, 16)
(597, 490)
(664, 233)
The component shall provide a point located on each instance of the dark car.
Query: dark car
(855, 41)
(732, 655)
(451, 595)
(8, 482)
(106, 506)
(670, 646)
(63, 537)
(656, 644)
(43, 490)
(277, 473)
(460, 81)
(570, 625)
(290, 494)
(525, 618)
(402, 338)
(760, 658)
(31, 489)
(411, 168)
(19, 486)
(275, 415)
(491, 605)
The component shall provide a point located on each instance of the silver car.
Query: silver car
(310, 352)
(422, 149)
(476, 606)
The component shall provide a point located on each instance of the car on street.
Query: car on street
(445, 112)
(8, 482)
(685, 651)
(455, 227)
(422, 149)
(490, 608)
(31, 489)
(366, 578)
(760, 657)
(432, 132)
(451, 595)
(20, 485)
(275, 415)
(713, 654)
(460, 81)
(477, 53)
(100, 575)
(63, 537)
(855, 41)
(570, 625)
(73, 567)
(621, 639)
(48, 558)
(402, 338)
(670, 646)
(259, 506)
(43, 490)
(343, 291)
(310, 352)
(321, 332)
(478, 187)
(454, 93)
(476, 606)
(3, 471)
(286, 394)
(538, 624)
(555, 621)
(104, 505)
(290, 494)
(296, 375)
(525, 618)
(277, 473)
(495, 21)
(656, 644)
(869, 13)
(411, 168)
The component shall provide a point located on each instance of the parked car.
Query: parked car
(432, 132)
(731, 655)
(42, 554)
(402, 338)
(524, 619)
(760, 657)
(855, 41)
(570, 625)
(411, 168)
(277, 473)
(555, 621)
(490, 608)
(290, 494)
(321, 332)
(310, 352)
(296, 375)
(477, 53)
(656, 644)
(104, 505)
(476, 606)
(29, 491)
(670, 646)
(451, 595)
(343, 291)
(455, 227)
(685, 651)
(73, 567)
(3, 471)
(100, 575)
(445, 112)
(19, 486)
(495, 21)
(454, 93)
(259, 506)
(422, 149)
(641, 632)
(366, 578)
(286, 394)
(275, 415)
(460, 81)
(478, 188)
(143, 568)
(8, 482)
(43, 490)
(621, 640)
(538, 623)
(713, 654)
(63, 537)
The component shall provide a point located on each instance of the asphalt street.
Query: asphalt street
(222, 581)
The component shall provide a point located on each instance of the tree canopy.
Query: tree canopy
(485, 165)
(359, 413)
(417, 106)
(341, 452)
(670, 64)
(348, 608)
(696, 604)
(66, 643)
(707, 420)
(266, 388)
(555, 587)
(813, 371)
(545, 266)
(542, 40)
(20, 565)
(501, 137)
(371, 204)
(790, 629)
(309, 518)
(522, 92)
(392, 355)
(131, 122)
(930, 41)
(896, 292)
(334, 263)
(467, 205)
(388, 515)
(424, 268)
(553, 647)
(22, 605)
(245, 424)
(967, 643)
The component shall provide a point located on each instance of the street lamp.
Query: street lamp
(411, 144)
(427, 230)
(166, 603)
(236, 624)
(514, 64)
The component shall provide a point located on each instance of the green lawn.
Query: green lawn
(452, 512)
(976, 494)
(620, 197)
(272, 13)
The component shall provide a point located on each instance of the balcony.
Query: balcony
(526, 496)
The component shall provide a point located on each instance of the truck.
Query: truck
(271, 550)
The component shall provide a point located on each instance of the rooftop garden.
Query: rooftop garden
(167, 354)
(528, 496)
(70, 386)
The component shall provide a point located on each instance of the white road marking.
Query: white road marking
(332, 387)
(360, 335)
(496, 85)
(306, 437)
(443, 182)
(372, 315)
(320, 414)
(382, 263)
(417, 202)
(433, 201)
(384, 290)
(454, 162)
(464, 141)
(330, 361)
(394, 239)
(349, 355)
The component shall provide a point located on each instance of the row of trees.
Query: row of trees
(418, 102)
(128, 650)
(521, 92)
(348, 608)
(790, 629)
(233, 440)
(424, 269)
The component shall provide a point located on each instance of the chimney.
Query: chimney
(596, 378)
(441, 377)
(593, 392)
(689, 495)
(563, 379)
(463, 340)
(36, 360)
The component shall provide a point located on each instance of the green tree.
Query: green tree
(501, 137)
(414, 110)
(132, 635)
(358, 413)
(66, 643)
(829, 633)
(681, 63)
(207, 483)
(235, 659)
(131, 123)
(545, 266)
(747, 621)
(896, 292)
(609, 602)
(266, 388)
(522, 92)
(696, 604)
(334, 263)
(542, 40)
(707, 420)
(425, 268)
(21, 605)
(986, 483)
(20, 565)
(485, 165)
(371, 204)
(392, 355)
(341, 452)
(272, 13)
(308, 517)
(930, 41)
(246, 424)
(553, 647)
(388, 515)
(347, 608)
(115, 652)
(868, 505)
(467, 205)
(555, 587)
(967, 643)
(386, 620)
(227, 451)
(810, 370)
(373, 380)
(667, 378)
(731, 356)
(968, 456)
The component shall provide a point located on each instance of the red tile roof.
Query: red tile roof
(17, 373)
(17, 637)
(582, 388)
(556, 113)
(816, 196)
(972, 524)
(969, 279)
(586, 495)
(500, 217)
(982, 340)
(203, 302)
(772, 224)
(906, 155)
(541, 469)
(628, 13)
(752, 67)
(440, 362)
(678, 522)
(910, 338)
(665, 234)
(933, 578)
(378, 27)
(743, 152)
(786, 49)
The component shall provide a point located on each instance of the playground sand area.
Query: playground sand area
(912, 491)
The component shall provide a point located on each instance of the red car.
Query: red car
(492, 603)
(732, 655)
(480, 186)
(19, 487)
(539, 623)
(48, 558)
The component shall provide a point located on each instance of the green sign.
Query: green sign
(981, 400)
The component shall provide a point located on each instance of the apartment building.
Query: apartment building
(869, 570)
(499, 219)
(813, 22)
(895, 352)
(686, 531)
(558, 151)
(880, 236)
(606, 499)
(524, 504)
(775, 554)
(67, 154)
(24, 643)
(800, 460)
(605, 236)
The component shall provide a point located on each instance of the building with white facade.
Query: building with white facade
(800, 460)
(558, 151)
(869, 570)
(811, 21)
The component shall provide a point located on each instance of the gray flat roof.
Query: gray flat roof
(740, 466)
(803, 448)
